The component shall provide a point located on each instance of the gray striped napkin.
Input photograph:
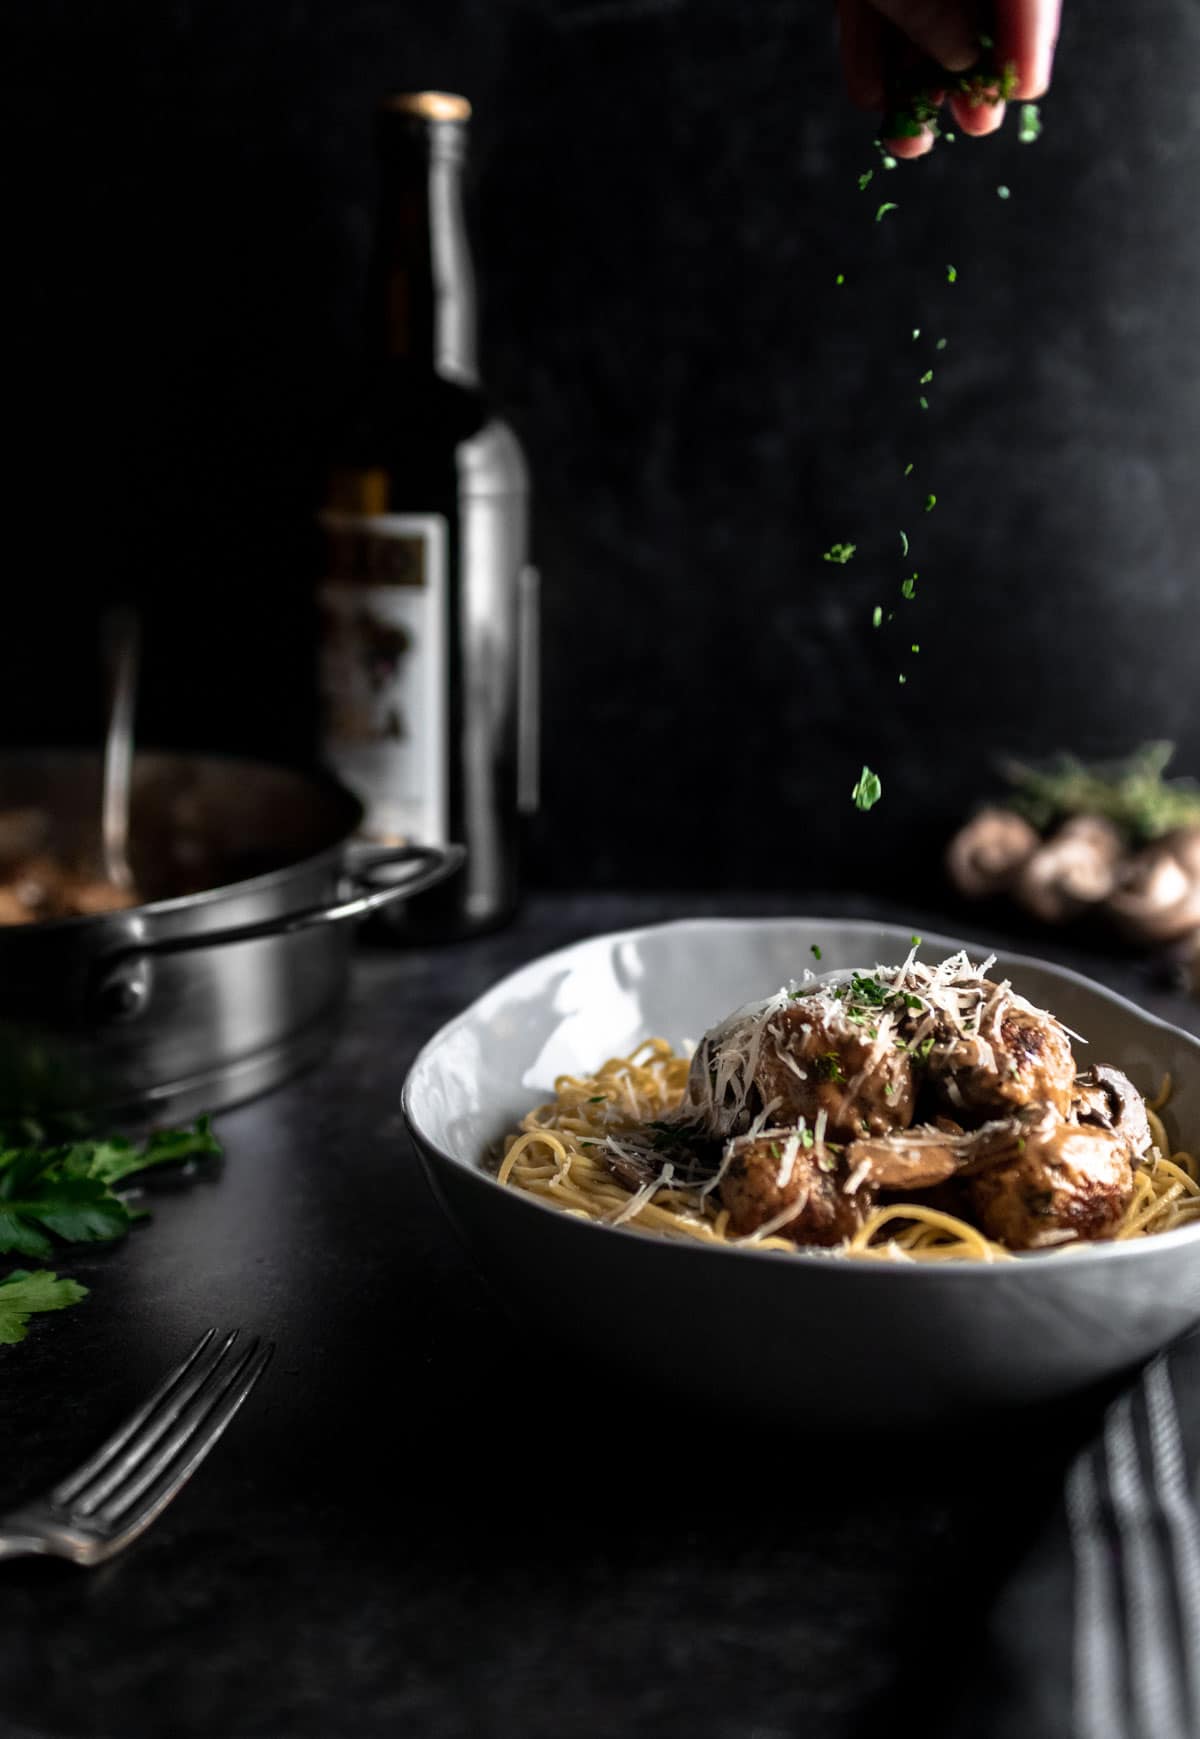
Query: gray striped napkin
(1097, 1634)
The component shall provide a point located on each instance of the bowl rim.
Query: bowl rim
(1032, 1261)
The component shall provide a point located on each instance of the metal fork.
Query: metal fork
(97, 1510)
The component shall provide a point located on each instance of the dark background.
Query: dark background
(666, 192)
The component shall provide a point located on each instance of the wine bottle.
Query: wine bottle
(427, 601)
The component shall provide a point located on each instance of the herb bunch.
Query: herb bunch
(1132, 793)
(67, 1193)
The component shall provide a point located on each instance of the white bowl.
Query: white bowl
(805, 1334)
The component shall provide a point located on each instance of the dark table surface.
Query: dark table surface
(428, 1521)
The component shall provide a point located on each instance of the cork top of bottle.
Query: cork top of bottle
(430, 105)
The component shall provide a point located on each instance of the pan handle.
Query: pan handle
(122, 987)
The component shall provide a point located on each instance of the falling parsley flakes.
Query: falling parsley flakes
(888, 205)
(868, 790)
(841, 278)
(927, 377)
(1031, 123)
(908, 469)
(930, 503)
(815, 951)
(865, 179)
(951, 274)
(1003, 192)
(840, 553)
(877, 616)
(908, 587)
(903, 543)
(940, 345)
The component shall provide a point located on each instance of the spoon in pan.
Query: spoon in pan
(120, 638)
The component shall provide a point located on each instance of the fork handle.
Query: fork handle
(15, 1545)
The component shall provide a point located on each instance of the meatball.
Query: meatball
(811, 1060)
(1063, 1182)
(767, 1174)
(1018, 1056)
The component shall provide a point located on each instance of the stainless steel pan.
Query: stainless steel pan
(230, 974)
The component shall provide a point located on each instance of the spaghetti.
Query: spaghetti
(558, 1155)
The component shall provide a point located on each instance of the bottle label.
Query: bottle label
(384, 668)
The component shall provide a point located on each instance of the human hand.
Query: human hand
(876, 35)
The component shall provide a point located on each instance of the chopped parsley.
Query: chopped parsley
(840, 553)
(815, 950)
(930, 503)
(903, 543)
(914, 647)
(908, 587)
(877, 615)
(951, 274)
(888, 205)
(940, 345)
(829, 1068)
(599, 1099)
(864, 180)
(1003, 192)
(1031, 123)
(908, 469)
(927, 377)
(923, 402)
(868, 790)
(841, 278)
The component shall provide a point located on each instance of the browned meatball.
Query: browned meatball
(1063, 1180)
(768, 1173)
(811, 1061)
(1021, 1057)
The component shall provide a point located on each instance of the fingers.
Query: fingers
(976, 119)
(1027, 34)
(861, 35)
(909, 148)
(942, 29)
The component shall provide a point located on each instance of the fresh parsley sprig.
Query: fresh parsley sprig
(68, 1191)
(28, 1292)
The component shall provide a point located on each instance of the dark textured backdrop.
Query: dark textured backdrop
(667, 189)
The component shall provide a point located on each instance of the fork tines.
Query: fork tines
(146, 1461)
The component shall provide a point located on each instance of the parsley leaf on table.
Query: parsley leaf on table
(68, 1190)
(25, 1293)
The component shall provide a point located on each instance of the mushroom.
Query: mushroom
(985, 855)
(1076, 867)
(1157, 896)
